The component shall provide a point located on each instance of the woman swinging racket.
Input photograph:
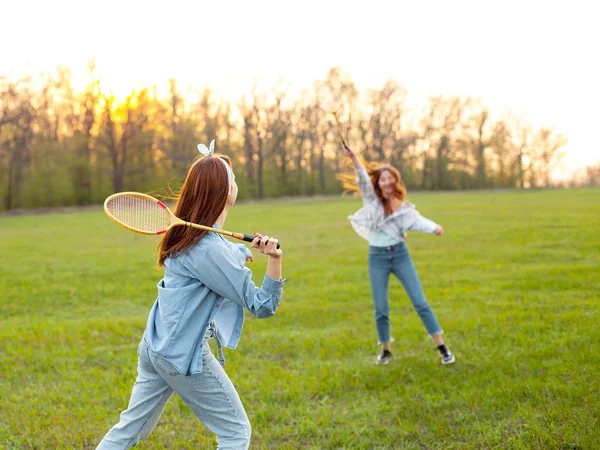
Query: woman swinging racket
(202, 296)
(384, 221)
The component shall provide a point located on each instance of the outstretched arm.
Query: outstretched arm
(425, 225)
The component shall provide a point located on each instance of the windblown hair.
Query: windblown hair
(375, 170)
(200, 200)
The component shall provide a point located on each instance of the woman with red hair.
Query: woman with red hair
(202, 296)
(383, 221)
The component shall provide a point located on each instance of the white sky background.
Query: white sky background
(537, 59)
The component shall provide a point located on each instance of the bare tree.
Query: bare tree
(386, 108)
(175, 123)
(521, 147)
(16, 138)
(249, 138)
(120, 123)
(440, 125)
(85, 119)
(261, 128)
(480, 144)
(550, 149)
(278, 125)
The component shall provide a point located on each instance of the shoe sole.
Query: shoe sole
(449, 362)
(383, 363)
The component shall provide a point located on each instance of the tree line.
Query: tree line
(61, 147)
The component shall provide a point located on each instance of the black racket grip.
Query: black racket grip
(249, 238)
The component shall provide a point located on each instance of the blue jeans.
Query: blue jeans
(395, 259)
(210, 395)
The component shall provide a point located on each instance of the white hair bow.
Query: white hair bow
(207, 151)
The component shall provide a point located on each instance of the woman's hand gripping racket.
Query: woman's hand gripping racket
(144, 214)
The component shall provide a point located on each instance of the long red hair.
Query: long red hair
(201, 200)
(375, 170)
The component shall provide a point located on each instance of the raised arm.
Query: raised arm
(349, 153)
(363, 181)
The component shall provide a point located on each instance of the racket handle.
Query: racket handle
(249, 238)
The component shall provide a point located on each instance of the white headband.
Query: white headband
(209, 151)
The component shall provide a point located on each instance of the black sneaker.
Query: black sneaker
(385, 357)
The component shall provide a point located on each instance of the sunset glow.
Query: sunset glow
(533, 59)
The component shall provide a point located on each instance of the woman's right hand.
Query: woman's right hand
(350, 153)
(266, 245)
(347, 151)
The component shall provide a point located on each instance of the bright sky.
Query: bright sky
(537, 59)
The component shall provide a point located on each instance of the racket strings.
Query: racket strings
(139, 213)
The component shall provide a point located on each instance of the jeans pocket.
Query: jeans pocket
(166, 368)
(161, 365)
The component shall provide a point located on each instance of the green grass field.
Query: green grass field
(515, 283)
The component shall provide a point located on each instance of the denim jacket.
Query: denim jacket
(208, 282)
(372, 215)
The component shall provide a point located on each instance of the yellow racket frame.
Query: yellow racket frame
(174, 220)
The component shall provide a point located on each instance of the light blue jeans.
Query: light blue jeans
(210, 395)
(395, 259)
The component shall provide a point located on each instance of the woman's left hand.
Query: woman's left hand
(438, 231)
(266, 245)
(250, 258)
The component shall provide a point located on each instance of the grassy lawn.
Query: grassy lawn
(515, 283)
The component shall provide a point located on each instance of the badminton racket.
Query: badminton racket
(328, 105)
(145, 214)
(339, 128)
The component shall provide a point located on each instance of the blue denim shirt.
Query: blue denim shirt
(208, 282)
